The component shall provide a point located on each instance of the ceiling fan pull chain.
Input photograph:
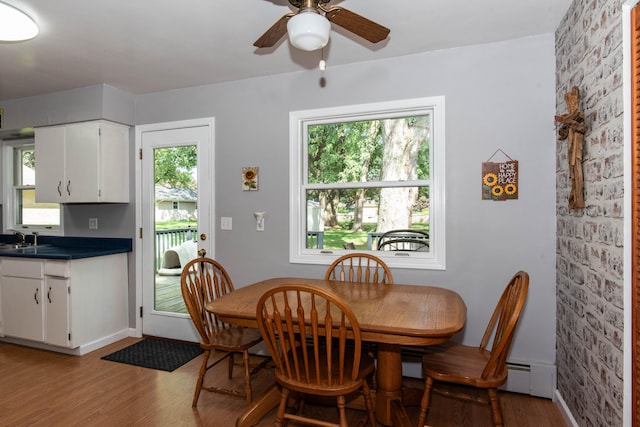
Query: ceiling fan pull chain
(323, 64)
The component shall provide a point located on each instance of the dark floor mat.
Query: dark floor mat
(158, 354)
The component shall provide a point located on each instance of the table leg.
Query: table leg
(259, 407)
(389, 376)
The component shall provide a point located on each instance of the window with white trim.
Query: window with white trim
(21, 212)
(362, 170)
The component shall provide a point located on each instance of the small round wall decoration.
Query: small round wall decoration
(250, 178)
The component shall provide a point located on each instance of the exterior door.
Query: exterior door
(175, 215)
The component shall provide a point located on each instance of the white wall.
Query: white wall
(499, 95)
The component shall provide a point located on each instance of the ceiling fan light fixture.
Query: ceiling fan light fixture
(15, 25)
(309, 30)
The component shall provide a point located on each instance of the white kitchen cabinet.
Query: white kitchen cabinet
(57, 329)
(73, 304)
(23, 308)
(22, 288)
(85, 162)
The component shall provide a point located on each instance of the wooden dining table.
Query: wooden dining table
(392, 316)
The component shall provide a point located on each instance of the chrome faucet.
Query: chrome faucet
(21, 237)
(35, 238)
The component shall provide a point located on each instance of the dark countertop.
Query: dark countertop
(65, 248)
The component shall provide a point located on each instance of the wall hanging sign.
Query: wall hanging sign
(500, 180)
(250, 178)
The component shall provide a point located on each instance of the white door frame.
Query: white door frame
(207, 121)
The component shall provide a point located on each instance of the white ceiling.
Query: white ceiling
(144, 46)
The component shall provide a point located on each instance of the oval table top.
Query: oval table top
(393, 314)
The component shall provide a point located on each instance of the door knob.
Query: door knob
(203, 236)
(202, 252)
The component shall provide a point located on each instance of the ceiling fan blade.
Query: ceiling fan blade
(275, 33)
(357, 24)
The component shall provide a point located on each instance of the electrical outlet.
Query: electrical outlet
(93, 223)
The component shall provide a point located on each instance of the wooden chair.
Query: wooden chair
(480, 367)
(359, 267)
(307, 330)
(404, 244)
(362, 268)
(204, 280)
(403, 240)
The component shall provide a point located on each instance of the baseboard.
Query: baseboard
(133, 332)
(104, 341)
(78, 351)
(564, 410)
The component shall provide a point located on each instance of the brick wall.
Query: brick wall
(590, 240)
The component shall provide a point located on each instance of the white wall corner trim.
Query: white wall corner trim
(564, 410)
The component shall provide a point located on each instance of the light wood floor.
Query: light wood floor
(41, 388)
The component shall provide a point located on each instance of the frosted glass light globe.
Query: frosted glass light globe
(309, 30)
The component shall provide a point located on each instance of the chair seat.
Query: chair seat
(232, 338)
(457, 363)
(367, 367)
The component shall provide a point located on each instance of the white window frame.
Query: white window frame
(435, 258)
(9, 202)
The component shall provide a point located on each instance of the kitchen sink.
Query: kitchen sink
(20, 246)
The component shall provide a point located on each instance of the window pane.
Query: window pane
(339, 218)
(27, 163)
(31, 213)
(395, 149)
(24, 166)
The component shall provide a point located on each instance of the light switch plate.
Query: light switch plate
(226, 223)
(93, 223)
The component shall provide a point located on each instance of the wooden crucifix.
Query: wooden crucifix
(573, 129)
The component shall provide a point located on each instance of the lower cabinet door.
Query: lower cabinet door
(57, 331)
(23, 308)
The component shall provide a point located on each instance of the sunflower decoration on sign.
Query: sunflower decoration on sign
(500, 180)
(250, 179)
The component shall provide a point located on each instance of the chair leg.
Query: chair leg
(342, 403)
(280, 420)
(247, 376)
(203, 371)
(230, 368)
(368, 403)
(426, 400)
(371, 350)
(496, 413)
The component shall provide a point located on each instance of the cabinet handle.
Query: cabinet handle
(60, 189)
(69, 187)
(35, 296)
(49, 295)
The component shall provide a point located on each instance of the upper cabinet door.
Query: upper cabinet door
(82, 163)
(50, 163)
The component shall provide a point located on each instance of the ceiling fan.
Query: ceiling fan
(309, 28)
